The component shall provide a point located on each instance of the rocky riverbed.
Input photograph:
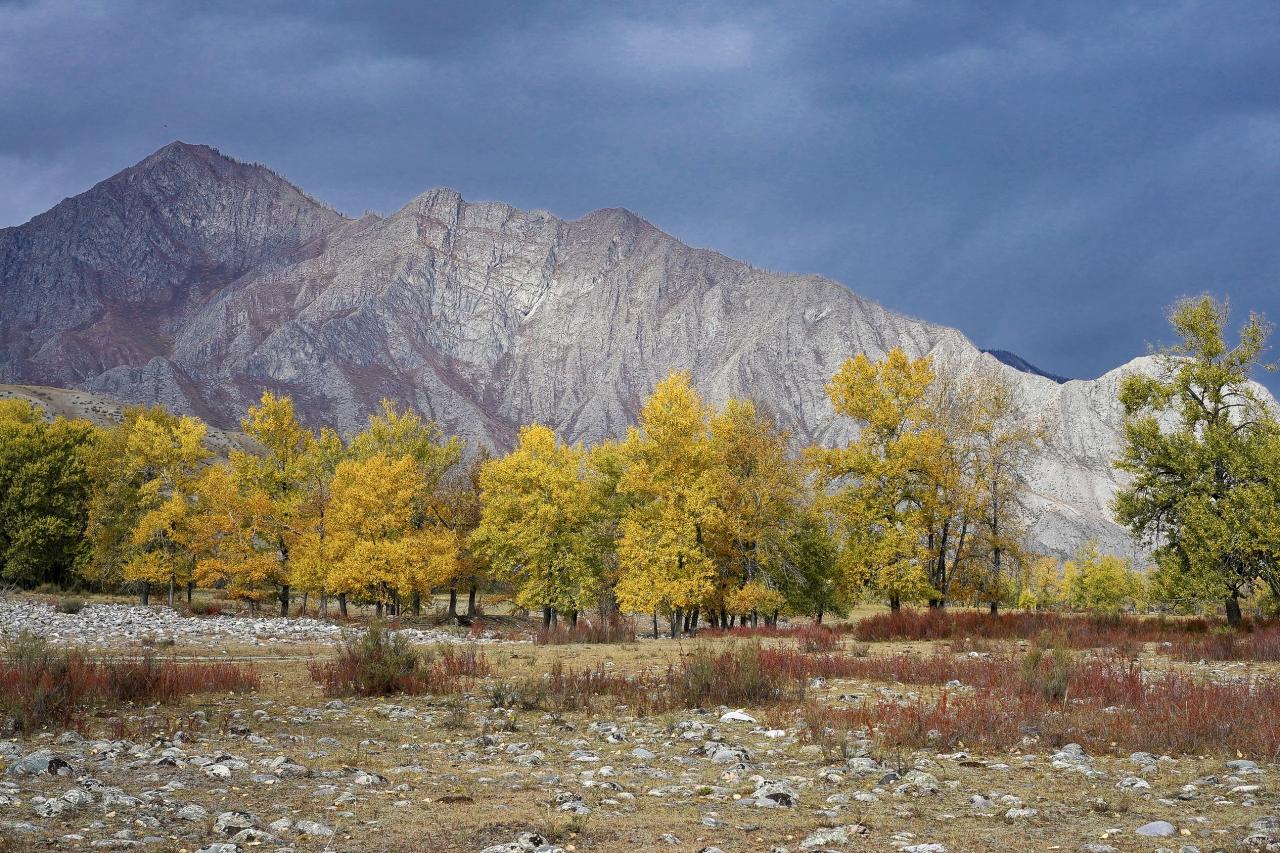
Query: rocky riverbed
(123, 625)
(456, 774)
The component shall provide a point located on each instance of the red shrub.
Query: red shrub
(1102, 702)
(747, 632)
(1075, 631)
(40, 685)
(380, 662)
(1262, 644)
(817, 638)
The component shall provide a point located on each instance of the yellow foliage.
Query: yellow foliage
(370, 536)
(537, 523)
(663, 554)
(754, 597)
(877, 487)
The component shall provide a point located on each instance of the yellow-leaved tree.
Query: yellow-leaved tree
(436, 514)
(536, 526)
(228, 530)
(876, 486)
(374, 546)
(664, 558)
(250, 517)
(144, 470)
(1002, 440)
(1101, 583)
(757, 487)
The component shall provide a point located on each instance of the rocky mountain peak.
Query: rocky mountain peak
(197, 281)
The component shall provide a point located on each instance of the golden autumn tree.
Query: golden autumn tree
(437, 508)
(278, 470)
(310, 565)
(756, 486)
(606, 463)
(536, 524)
(458, 506)
(664, 556)
(876, 486)
(228, 530)
(143, 471)
(375, 548)
(247, 517)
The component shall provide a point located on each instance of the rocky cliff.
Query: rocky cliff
(195, 281)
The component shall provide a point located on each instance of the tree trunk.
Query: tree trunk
(677, 616)
(471, 600)
(573, 619)
(324, 605)
(172, 584)
(417, 603)
(284, 599)
(191, 588)
(895, 603)
(817, 617)
(546, 617)
(693, 621)
(306, 596)
(1234, 617)
(146, 593)
(342, 604)
(655, 623)
(377, 609)
(453, 602)
(995, 608)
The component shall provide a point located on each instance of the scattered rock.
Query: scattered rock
(1157, 829)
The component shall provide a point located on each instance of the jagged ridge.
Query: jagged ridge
(195, 281)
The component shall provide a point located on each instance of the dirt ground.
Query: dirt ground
(432, 773)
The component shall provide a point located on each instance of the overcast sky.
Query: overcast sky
(1046, 177)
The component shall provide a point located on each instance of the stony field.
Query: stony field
(484, 768)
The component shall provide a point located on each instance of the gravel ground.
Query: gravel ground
(123, 625)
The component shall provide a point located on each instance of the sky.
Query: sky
(1046, 177)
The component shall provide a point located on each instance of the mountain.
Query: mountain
(1017, 362)
(196, 281)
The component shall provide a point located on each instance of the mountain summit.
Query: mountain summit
(195, 281)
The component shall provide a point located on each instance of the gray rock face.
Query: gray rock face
(195, 281)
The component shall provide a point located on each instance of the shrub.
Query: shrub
(42, 685)
(823, 726)
(1103, 704)
(70, 605)
(613, 630)
(1260, 644)
(1047, 674)
(1075, 631)
(738, 676)
(204, 608)
(817, 638)
(381, 662)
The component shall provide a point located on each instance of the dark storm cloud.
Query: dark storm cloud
(1045, 177)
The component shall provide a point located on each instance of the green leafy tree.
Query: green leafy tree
(1201, 446)
(44, 495)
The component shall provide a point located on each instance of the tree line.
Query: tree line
(699, 515)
